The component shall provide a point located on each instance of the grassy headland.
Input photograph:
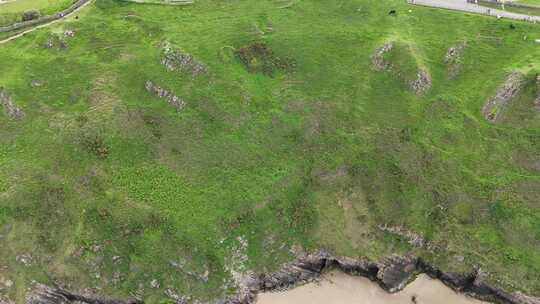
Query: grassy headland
(288, 138)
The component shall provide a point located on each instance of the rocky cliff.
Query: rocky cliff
(392, 274)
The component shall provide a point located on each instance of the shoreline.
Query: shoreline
(338, 287)
(392, 274)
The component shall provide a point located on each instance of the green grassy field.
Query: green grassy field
(297, 142)
(12, 11)
(535, 2)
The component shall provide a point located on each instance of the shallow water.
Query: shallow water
(339, 288)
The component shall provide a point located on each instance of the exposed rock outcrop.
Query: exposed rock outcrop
(46, 295)
(453, 59)
(69, 33)
(56, 42)
(176, 60)
(509, 90)
(10, 108)
(392, 274)
(24, 259)
(395, 272)
(412, 238)
(422, 83)
(377, 60)
(160, 92)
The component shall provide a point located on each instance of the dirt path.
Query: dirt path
(464, 6)
(45, 24)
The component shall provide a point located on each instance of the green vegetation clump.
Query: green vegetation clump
(105, 185)
(30, 15)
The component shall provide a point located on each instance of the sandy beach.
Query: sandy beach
(339, 288)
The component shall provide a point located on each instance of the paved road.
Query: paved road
(464, 6)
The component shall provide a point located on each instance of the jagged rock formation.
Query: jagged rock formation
(509, 90)
(392, 274)
(160, 92)
(395, 272)
(47, 295)
(453, 59)
(422, 83)
(11, 110)
(176, 60)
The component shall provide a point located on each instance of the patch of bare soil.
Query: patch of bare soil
(259, 57)
(175, 101)
(494, 107)
(453, 59)
(10, 108)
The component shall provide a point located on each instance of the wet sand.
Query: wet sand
(339, 288)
